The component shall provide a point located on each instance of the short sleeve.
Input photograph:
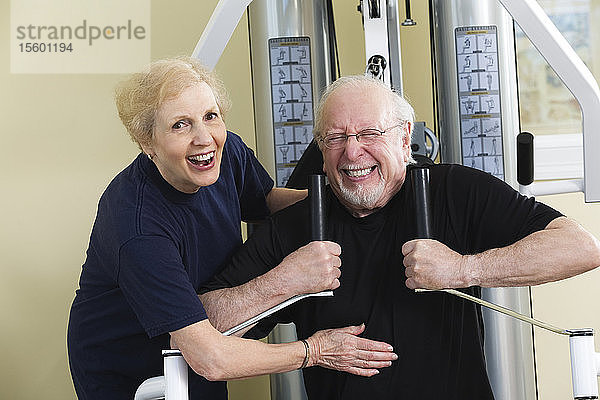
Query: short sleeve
(254, 184)
(259, 254)
(490, 212)
(156, 285)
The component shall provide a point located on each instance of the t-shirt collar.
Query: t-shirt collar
(172, 194)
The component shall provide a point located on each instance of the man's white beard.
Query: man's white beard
(362, 197)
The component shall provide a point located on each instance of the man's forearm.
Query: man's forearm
(229, 307)
(561, 250)
(310, 269)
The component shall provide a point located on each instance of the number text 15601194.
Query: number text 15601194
(35, 47)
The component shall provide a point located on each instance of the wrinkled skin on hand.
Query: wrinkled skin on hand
(312, 268)
(343, 350)
(432, 265)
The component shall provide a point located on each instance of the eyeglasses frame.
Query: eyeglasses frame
(357, 135)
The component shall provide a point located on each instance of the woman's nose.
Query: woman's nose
(202, 136)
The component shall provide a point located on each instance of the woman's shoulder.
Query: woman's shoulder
(235, 138)
(236, 147)
(126, 183)
(234, 150)
(129, 197)
(234, 142)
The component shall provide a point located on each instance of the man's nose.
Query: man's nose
(353, 147)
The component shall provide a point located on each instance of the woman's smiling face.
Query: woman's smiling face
(188, 139)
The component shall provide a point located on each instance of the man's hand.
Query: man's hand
(341, 349)
(312, 268)
(432, 265)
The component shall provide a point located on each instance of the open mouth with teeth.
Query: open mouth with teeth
(202, 160)
(359, 173)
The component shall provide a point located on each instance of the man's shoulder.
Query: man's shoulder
(295, 212)
(456, 170)
(462, 176)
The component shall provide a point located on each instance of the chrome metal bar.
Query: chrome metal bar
(274, 309)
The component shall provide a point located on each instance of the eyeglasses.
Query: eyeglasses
(336, 141)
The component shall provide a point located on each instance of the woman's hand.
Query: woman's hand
(312, 268)
(341, 349)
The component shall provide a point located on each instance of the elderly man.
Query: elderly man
(486, 235)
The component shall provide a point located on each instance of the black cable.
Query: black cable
(517, 75)
(333, 47)
(408, 21)
(434, 83)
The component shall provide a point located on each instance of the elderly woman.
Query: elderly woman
(164, 226)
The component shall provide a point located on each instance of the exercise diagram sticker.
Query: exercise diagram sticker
(479, 98)
(292, 102)
(79, 36)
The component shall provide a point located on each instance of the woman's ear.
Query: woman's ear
(147, 149)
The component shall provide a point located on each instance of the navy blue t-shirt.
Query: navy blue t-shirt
(150, 249)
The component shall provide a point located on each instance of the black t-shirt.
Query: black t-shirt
(438, 337)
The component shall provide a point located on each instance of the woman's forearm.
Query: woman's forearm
(280, 198)
(218, 357)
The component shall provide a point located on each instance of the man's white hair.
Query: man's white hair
(401, 110)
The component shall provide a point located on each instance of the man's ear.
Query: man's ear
(406, 142)
(408, 131)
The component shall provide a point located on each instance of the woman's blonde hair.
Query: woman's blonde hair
(139, 97)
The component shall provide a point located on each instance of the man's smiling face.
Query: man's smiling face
(365, 177)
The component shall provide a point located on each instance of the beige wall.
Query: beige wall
(572, 303)
(62, 143)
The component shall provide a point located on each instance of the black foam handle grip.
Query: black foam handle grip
(316, 199)
(524, 158)
(420, 185)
